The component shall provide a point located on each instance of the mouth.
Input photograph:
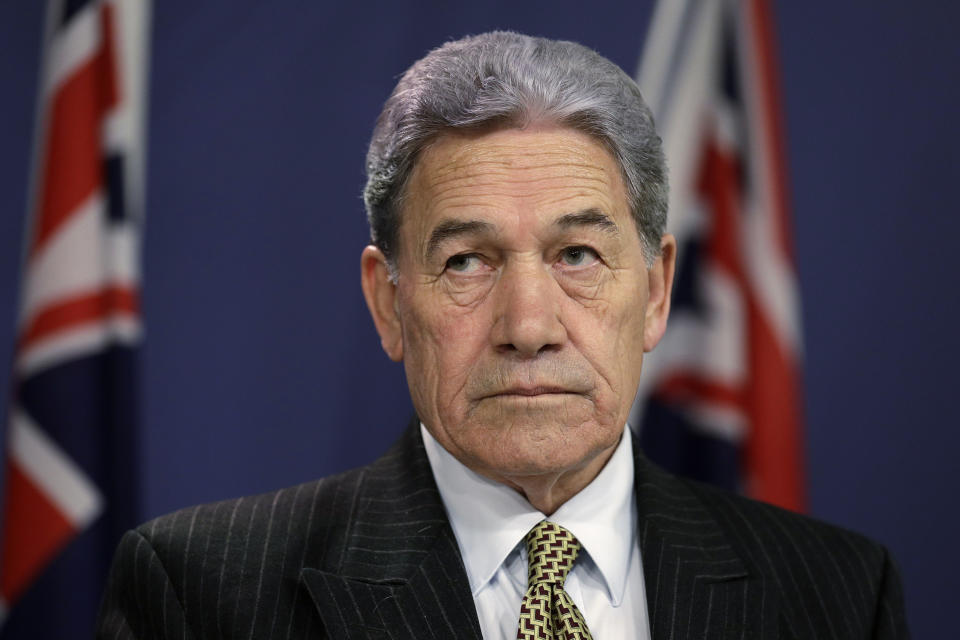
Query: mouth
(532, 392)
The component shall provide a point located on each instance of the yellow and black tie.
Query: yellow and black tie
(547, 612)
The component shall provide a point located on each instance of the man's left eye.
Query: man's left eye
(578, 256)
(464, 263)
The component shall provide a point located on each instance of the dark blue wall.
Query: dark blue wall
(262, 368)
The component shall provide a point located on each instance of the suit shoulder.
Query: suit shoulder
(819, 580)
(773, 537)
(828, 577)
(312, 515)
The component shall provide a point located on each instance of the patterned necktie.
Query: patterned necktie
(547, 612)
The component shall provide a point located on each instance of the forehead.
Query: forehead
(536, 174)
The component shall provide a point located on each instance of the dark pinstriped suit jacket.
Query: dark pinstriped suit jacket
(371, 554)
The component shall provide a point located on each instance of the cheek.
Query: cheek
(443, 344)
(629, 349)
(610, 336)
(629, 329)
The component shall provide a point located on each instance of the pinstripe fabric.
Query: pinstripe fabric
(717, 565)
(370, 554)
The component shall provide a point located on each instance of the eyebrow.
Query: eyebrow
(588, 218)
(449, 229)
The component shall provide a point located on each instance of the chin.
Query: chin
(537, 417)
(538, 448)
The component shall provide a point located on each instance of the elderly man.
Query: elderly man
(519, 270)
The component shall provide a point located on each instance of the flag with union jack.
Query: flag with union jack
(69, 485)
(720, 396)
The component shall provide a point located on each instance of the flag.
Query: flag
(720, 396)
(69, 485)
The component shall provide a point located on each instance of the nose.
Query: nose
(528, 318)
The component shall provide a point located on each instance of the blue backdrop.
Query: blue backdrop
(262, 368)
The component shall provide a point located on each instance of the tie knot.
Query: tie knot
(551, 552)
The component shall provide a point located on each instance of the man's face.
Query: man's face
(523, 304)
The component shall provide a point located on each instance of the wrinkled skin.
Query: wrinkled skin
(523, 304)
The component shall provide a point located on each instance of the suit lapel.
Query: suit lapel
(696, 583)
(400, 574)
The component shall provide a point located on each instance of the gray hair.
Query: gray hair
(505, 79)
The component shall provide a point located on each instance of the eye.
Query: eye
(578, 256)
(464, 263)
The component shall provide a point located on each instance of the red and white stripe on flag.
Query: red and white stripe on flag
(80, 286)
(732, 364)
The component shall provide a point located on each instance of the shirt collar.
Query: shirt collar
(489, 519)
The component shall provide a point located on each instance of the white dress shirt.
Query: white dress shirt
(490, 521)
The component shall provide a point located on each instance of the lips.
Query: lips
(532, 391)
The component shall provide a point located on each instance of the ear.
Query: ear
(381, 297)
(660, 283)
